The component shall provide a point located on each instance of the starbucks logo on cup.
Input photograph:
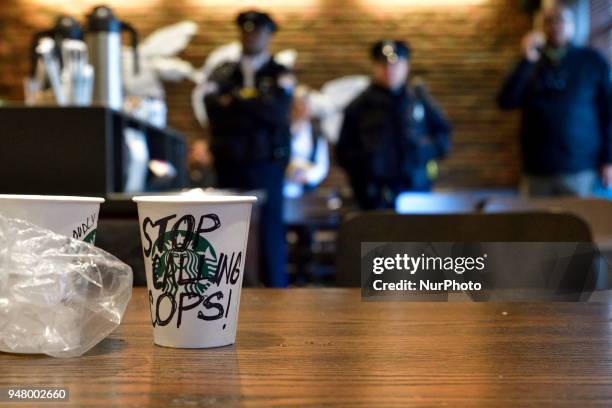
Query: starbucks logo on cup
(180, 260)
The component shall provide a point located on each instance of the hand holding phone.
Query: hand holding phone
(532, 45)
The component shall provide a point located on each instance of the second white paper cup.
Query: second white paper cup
(71, 216)
(194, 251)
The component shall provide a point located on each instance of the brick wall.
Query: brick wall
(462, 51)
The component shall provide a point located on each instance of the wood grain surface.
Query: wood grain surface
(324, 347)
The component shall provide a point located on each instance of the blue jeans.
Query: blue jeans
(578, 184)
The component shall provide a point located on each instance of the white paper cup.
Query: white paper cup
(194, 250)
(75, 217)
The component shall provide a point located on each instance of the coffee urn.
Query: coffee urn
(65, 28)
(103, 38)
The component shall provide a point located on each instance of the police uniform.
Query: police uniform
(249, 121)
(390, 139)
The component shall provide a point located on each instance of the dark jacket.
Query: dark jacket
(566, 112)
(387, 139)
(249, 126)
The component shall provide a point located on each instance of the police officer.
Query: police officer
(248, 104)
(391, 135)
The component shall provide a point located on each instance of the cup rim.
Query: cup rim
(52, 198)
(195, 199)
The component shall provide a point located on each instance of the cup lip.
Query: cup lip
(51, 198)
(195, 199)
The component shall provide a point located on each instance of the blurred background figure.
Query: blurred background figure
(391, 135)
(200, 164)
(564, 94)
(248, 104)
(309, 162)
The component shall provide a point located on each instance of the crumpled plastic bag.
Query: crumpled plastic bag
(58, 296)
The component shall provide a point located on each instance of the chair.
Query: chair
(312, 221)
(391, 227)
(597, 213)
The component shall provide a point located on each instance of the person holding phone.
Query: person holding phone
(564, 93)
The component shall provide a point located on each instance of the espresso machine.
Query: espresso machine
(103, 38)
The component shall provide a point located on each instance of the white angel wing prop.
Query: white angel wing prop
(197, 103)
(286, 57)
(156, 60)
(335, 95)
(167, 41)
(226, 53)
(231, 53)
(172, 69)
(145, 83)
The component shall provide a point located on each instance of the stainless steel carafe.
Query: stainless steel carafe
(65, 28)
(103, 38)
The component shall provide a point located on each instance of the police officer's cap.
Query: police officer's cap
(254, 20)
(389, 51)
